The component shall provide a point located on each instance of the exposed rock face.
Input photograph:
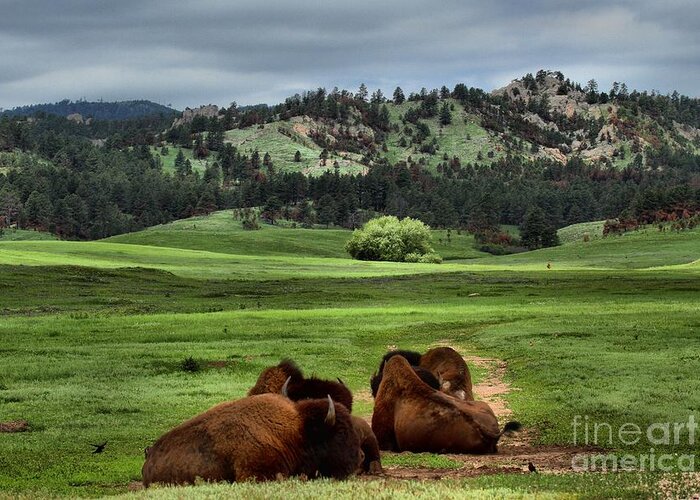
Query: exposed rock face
(573, 102)
(537, 120)
(686, 131)
(75, 117)
(616, 134)
(210, 110)
(555, 154)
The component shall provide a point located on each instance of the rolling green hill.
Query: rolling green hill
(577, 233)
(220, 232)
(641, 249)
(24, 235)
(216, 247)
(200, 264)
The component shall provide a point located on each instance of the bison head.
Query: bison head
(330, 437)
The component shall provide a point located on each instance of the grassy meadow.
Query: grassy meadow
(168, 160)
(94, 335)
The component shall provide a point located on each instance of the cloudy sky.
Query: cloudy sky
(187, 53)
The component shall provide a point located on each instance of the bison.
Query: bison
(371, 458)
(410, 416)
(259, 437)
(274, 378)
(451, 370)
(441, 368)
(287, 379)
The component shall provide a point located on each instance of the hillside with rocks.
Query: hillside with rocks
(543, 151)
(534, 117)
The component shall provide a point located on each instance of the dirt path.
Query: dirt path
(514, 452)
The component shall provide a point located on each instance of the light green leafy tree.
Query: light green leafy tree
(388, 238)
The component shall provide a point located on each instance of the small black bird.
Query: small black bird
(99, 448)
(531, 467)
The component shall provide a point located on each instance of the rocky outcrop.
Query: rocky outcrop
(75, 117)
(209, 111)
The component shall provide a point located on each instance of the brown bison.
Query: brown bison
(257, 438)
(288, 380)
(451, 371)
(410, 416)
(371, 458)
(441, 368)
(274, 378)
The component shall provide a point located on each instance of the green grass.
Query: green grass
(464, 138)
(577, 233)
(25, 235)
(282, 146)
(91, 347)
(420, 460)
(641, 249)
(201, 264)
(624, 485)
(220, 232)
(169, 159)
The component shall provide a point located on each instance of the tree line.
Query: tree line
(91, 181)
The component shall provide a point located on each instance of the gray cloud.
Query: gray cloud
(190, 53)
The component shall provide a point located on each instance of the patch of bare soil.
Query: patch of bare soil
(14, 426)
(680, 485)
(515, 452)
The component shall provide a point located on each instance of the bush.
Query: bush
(390, 239)
(250, 224)
(190, 365)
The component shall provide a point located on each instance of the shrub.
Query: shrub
(190, 365)
(430, 258)
(250, 224)
(390, 239)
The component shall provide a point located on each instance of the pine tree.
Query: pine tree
(399, 97)
(445, 115)
(362, 93)
(537, 231)
(326, 210)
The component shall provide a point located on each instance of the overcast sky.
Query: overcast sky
(251, 51)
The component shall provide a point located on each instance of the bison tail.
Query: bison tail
(511, 427)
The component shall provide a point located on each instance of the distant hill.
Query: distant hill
(542, 117)
(542, 150)
(121, 110)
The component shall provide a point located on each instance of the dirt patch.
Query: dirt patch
(218, 364)
(423, 474)
(493, 387)
(680, 485)
(364, 396)
(14, 426)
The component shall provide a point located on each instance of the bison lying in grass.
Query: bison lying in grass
(257, 438)
(441, 368)
(287, 379)
(411, 416)
(287, 374)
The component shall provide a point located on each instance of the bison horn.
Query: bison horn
(341, 382)
(330, 418)
(285, 387)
